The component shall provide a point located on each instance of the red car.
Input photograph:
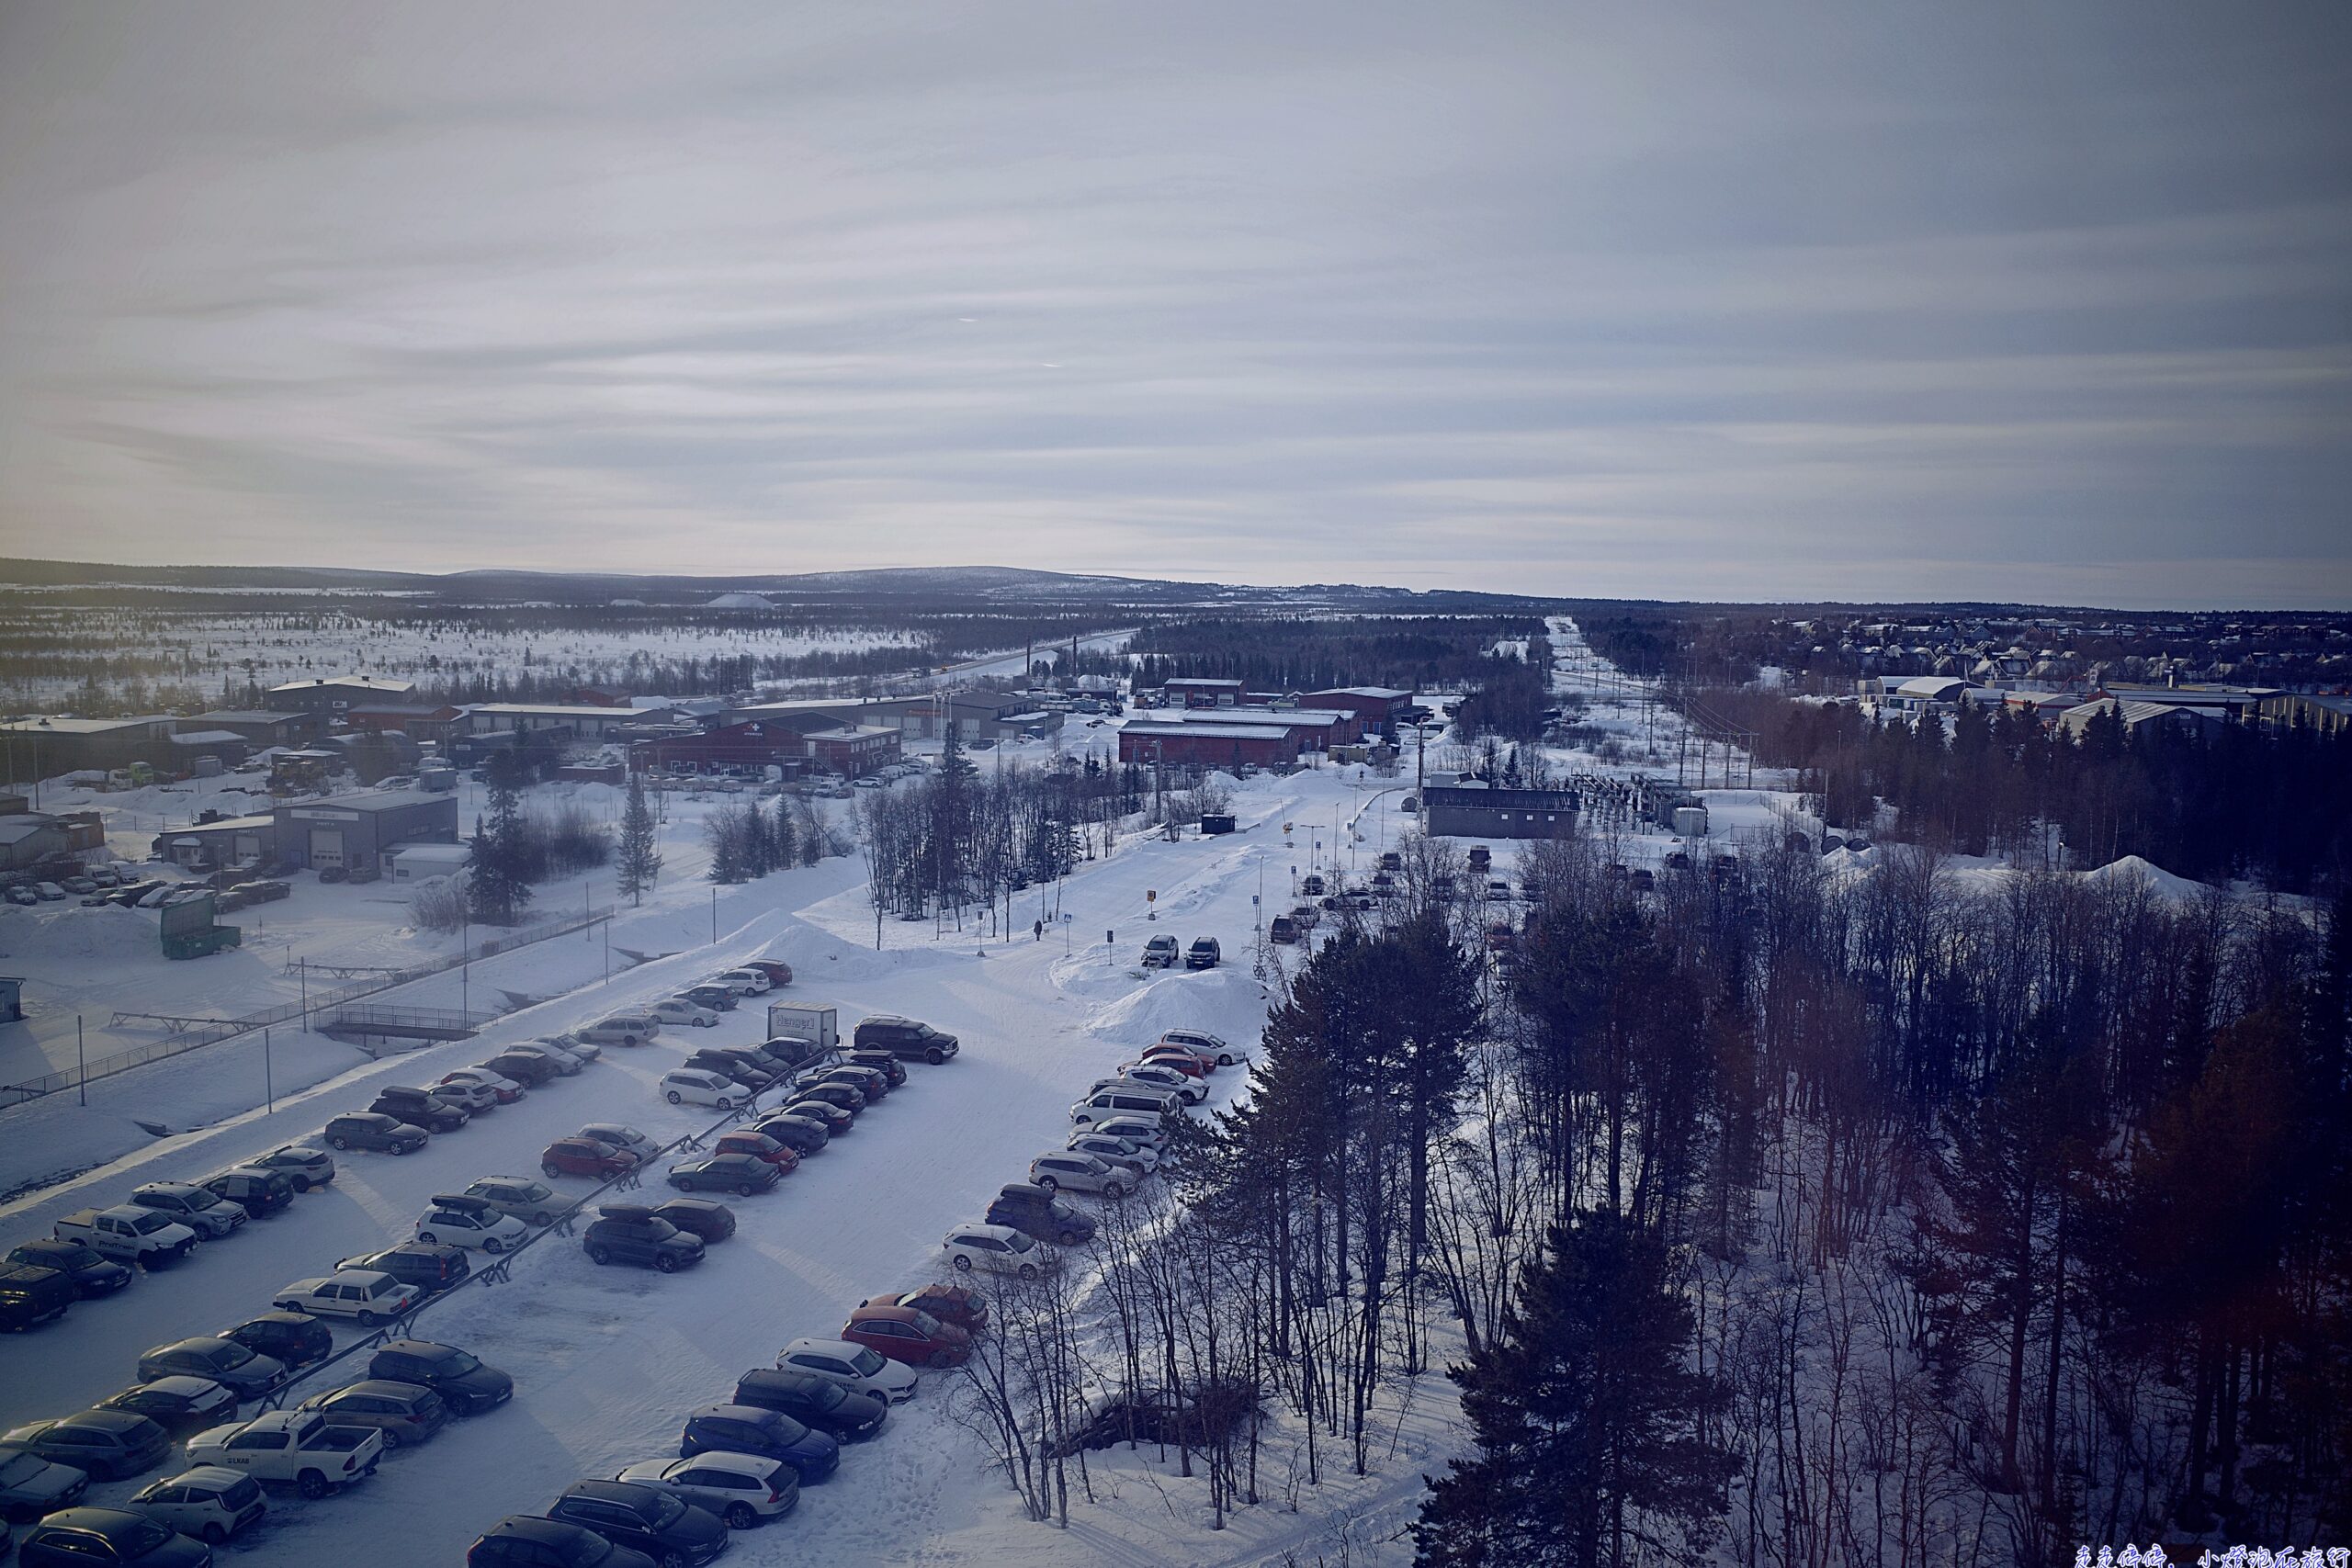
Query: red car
(959, 1306)
(584, 1156)
(760, 1146)
(908, 1335)
(1181, 1058)
(778, 973)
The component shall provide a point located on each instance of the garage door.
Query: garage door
(326, 846)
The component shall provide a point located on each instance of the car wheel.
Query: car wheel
(544, 1217)
(550, 1172)
(391, 1438)
(367, 1319)
(963, 1264)
(1049, 1184)
(935, 1056)
(744, 1189)
(600, 1255)
(1028, 1270)
(492, 1246)
(428, 1238)
(742, 1515)
(301, 1184)
(400, 1149)
(665, 1264)
(1071, 1239)
(941, 1359)
(215, 1536)
(725, 1103)
(629, 1039)
(342, 1143)
(674, 1098)
(311, 1485)
(1226, 1060)
(674, 1559)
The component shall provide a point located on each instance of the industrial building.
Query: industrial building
(1375, 707)
(46, 747)
(358, 829)
(2326, 713)
(260, 729)
(1455, 812)
(1197, 691)
(580, 721)
(1231, 746)
(336, 693)
(853, 751)
(752, 744)
(978, 716)
(418, 721)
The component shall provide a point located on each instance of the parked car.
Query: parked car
(908, 1333)
(1204, 955)
(1026, 1206)
(1134, 1158)
(77, 1538)
(1160, 952)
(854, 1367)
(419, 1109)
(32, 1486)
(1177, 1055)
(107, 1445)
(294, 1339)
(503, 1089)
(1147, 1131)
(523, 1067)
(457, 1220)
(78, 884)
(584, 1156)
(304, 1167)
(996, 1249)
(365, 1296)
(20, 893)
(430, 1270)
(744, 982)
(748, 1429)
(805, 1135)
(1282, 929)
(719, 999)
(840, 1096)
(666, 1528)
(91, 1272)
(705, 1219)
(834, 1120)
(31, 1295)
(759, 1147)
(178, 1404)
(700, 1086)
(893, 1071)
(50, 893)
(560, 1061)
(738, 1173)
(745, 1490)
(1159, 1076)
(203, 1211)
(582, 1051)
(525, 1540)
(299, 1447)
(747, 1073)
(961, 1306)
(257, 1191)
(872, 1085)
(830, 1407)
(905, 1039)
(360, 873)
(623, 1029)
(1175, 1059)
(779, 972)
(533, 1202)
(374, 1130)
(249, 1372)
(633, 1234)
(685, 1014)
(622, 1137)
(1125, 1099)
(1076, 1170)
(464, 1383)
(403, 1414)
(211, 1504)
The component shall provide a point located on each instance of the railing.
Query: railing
(196, 1033)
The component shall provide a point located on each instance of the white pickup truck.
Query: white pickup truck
(129, 1234)
(296, 1446)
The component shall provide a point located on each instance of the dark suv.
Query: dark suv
(882, 1062)
(748, 1429)
(430, 1266)
(643, 1519)
(632, 1233)
(842, 1414)
(1027, 1207)
(465, 1385)
(295, 1338)
(1204, 953)
(905, 1039)
(419, 1109)
(93, 1273)
(254, 1190)
(373, 1130)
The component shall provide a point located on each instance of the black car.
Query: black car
(522, 1067)
(1027, 1207)
(294, 1338)
(79, 1538)
(740, 1174)
(32, 1486)
(93, 1273)
(905, 1039)
(804, 1135)
(431, 1267)
(882, 1062)
(181, 1406)
(248, 1371)
(256, 1192)
(643, 1519)
(1204, 955)
(842, 1414)
(108, 1444)
(630, 1233)
(31, 1295)
(840, 1096)
(703, 1218)
(464, 1383)
(747, 1429)
(719, 999)
(373, 1130)
(520, 1541)
(419, 1109)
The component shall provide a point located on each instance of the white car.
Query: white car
(626, 1139)
(695, 1085)
(461, 1219)
(1226, 1054)
(1075, 1170)
(586, 1050)
(742, 982)
(996, 1249)
(533, 1202)
(679, 1011)
(742, 1489)
(622, 1028)
(503, 1089)
(1144, 1132)
(855, 1367)
(565, 1064)
(1168, 1081)
(209, 1503)
(471, 1097)
(1114, 1150)
(365, 1296)
(305, 1166)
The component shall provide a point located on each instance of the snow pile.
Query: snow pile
(1223, 1000)
(67, 934)
(2172, 889)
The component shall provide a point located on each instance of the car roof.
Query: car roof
(180, 1383)
(725, 1459)
(842, 1348)
(757, 1415)
(549, 1532)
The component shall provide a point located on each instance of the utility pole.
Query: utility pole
(80, 1060)
(268, 1088)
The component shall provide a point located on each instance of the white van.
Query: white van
(623, 1029)
(1131, 1101)
(695, 1086)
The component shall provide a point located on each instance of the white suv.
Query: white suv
(462, 1220)
(1075, 1170)
(695, 1085)
(1226, 1052)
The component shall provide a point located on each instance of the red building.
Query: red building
(749, 745)
(1210, 745)
(1375, 707)
(853, 752)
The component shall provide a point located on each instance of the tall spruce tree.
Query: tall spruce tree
(1587, 1418)
(495, 884)
(640, 862)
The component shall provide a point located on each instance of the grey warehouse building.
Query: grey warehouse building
(1455, 812)
(360, 829)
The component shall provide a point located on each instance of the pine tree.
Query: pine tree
(784, 841)
(1587, 1418)
(495, 882)
(640, 862)
(728, 860)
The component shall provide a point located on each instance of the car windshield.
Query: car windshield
(927, 1324)
(584, 1550)
(133, 1541)
(534, 1193)
(661, 1510)
(458, 1363)
(19, 1467)
(229, 1355)
(73, 1255)
(1021, 1241)
(660, 1229)
(828, 1397)
(867, 1362)
(152, 1221)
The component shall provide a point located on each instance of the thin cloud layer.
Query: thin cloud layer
(1998, 300)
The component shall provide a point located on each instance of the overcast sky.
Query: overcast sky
(2043, 301)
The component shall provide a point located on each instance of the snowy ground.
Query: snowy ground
(608, 1363)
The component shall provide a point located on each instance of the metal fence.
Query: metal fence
(211, 1032)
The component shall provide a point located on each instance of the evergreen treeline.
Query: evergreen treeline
(1511, 698)
(1417, 653)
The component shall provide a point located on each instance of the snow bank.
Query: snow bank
(2164, 884)
(1223, 1000)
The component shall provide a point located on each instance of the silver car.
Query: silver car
(742, 1489)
